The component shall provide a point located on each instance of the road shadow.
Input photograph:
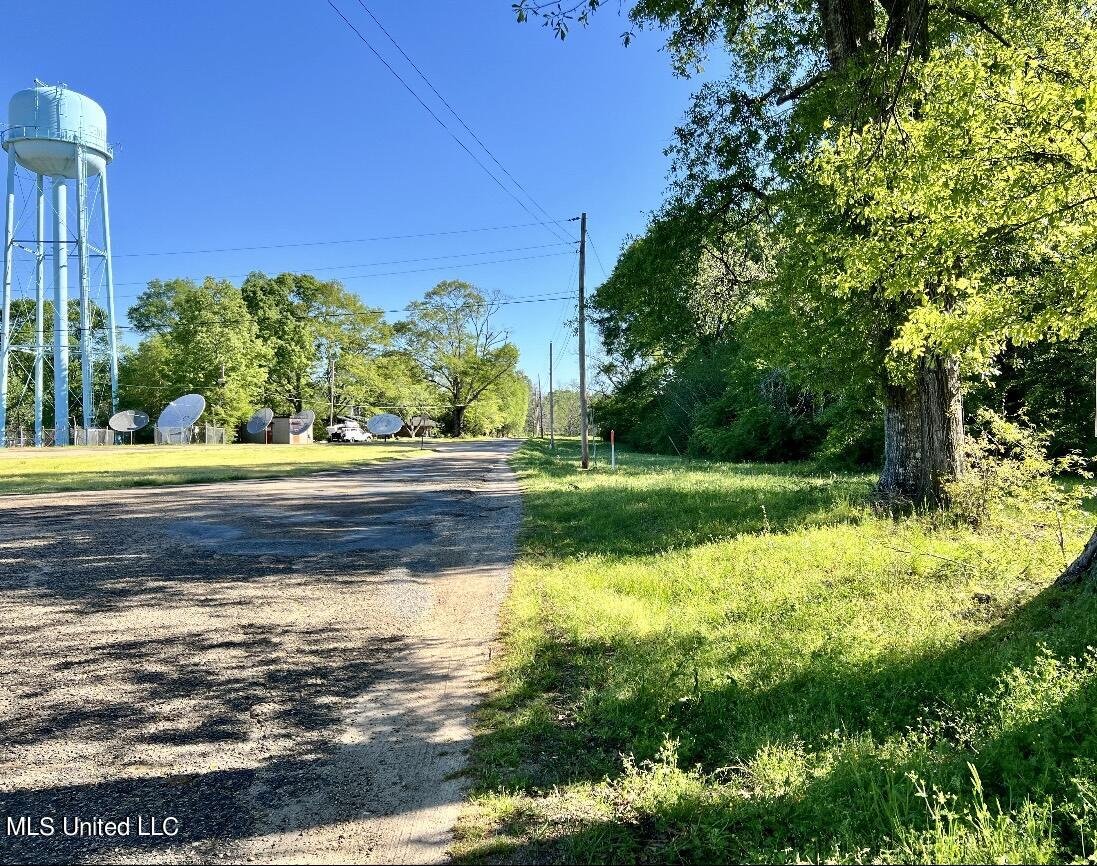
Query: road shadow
(98, 552)
(199, 652)
(317, 780)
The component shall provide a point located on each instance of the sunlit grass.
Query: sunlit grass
(715, 662)
(50, 470)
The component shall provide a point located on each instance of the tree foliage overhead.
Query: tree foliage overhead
(914, 180)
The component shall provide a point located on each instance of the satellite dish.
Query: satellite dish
(260, 421)
(127, 421)
(301, 422)
(182, 412)
(384, 424)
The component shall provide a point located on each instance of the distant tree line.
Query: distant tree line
(293, 342)
(564, 417)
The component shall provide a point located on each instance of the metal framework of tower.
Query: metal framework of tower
(80, 156)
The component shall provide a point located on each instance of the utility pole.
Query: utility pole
(552, 422)
(585, 462)
(331, 388)
(540, 408)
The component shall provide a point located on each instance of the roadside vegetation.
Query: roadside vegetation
(55, 470)
(746, 662)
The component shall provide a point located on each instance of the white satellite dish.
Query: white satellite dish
(301, 422)
(385, 424)
(127, 421)
(260, 421)
(179, 416)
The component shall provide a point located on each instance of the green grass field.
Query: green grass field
(50, 470)
(713, 662)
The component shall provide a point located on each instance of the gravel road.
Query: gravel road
(284, 667)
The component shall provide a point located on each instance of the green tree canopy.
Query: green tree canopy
(314, 327)
(201, 339)
(922, 171)
(461, 352)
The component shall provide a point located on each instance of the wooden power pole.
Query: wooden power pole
(552, 421)
(540, 408)
(331, 389)
(585, 434)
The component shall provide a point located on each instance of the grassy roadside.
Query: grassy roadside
(718, 662)
(48, 471)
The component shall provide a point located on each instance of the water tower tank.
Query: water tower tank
(44, 122)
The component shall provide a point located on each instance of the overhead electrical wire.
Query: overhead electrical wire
(329, 242)
(594, 247)
(310, 269)
(441, 122)
(461, 120)
(574, 275)
(531, 299)
(211, 321)
(397, 273)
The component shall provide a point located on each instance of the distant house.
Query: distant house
(418, 425)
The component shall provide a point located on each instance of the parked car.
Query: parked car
(348, 430)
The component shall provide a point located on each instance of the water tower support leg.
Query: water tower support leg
(88, 404)
(5, 316)
(60, 313)
(108, 264)
(39, 307)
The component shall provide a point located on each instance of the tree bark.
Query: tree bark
(942, 406)
(458, 420)
(847, 25)
(924, 432)
(1082, 570)
(902, 442)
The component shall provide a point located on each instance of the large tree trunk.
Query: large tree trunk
(924, 432)
(458, 420)
(923, 426)
(847, 25)
(902, 441)
(942, 423)
(1083, 568)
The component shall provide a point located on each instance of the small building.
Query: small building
(288, 430)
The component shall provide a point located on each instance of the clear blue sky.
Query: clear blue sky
(251, 123)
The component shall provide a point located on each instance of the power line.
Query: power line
(532, 299)
(329, 242)
(460, 119)
(574, 273)
(397, 273)
(439, 120)
(594, 247)
(390, 262)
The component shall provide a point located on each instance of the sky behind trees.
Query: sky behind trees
(257, 123)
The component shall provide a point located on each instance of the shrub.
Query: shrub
(1008, 467)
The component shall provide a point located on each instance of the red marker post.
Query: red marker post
(612, 451)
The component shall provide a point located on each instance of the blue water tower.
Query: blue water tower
(59, 134)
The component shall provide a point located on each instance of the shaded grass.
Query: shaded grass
(740, 662)
(47, 471)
